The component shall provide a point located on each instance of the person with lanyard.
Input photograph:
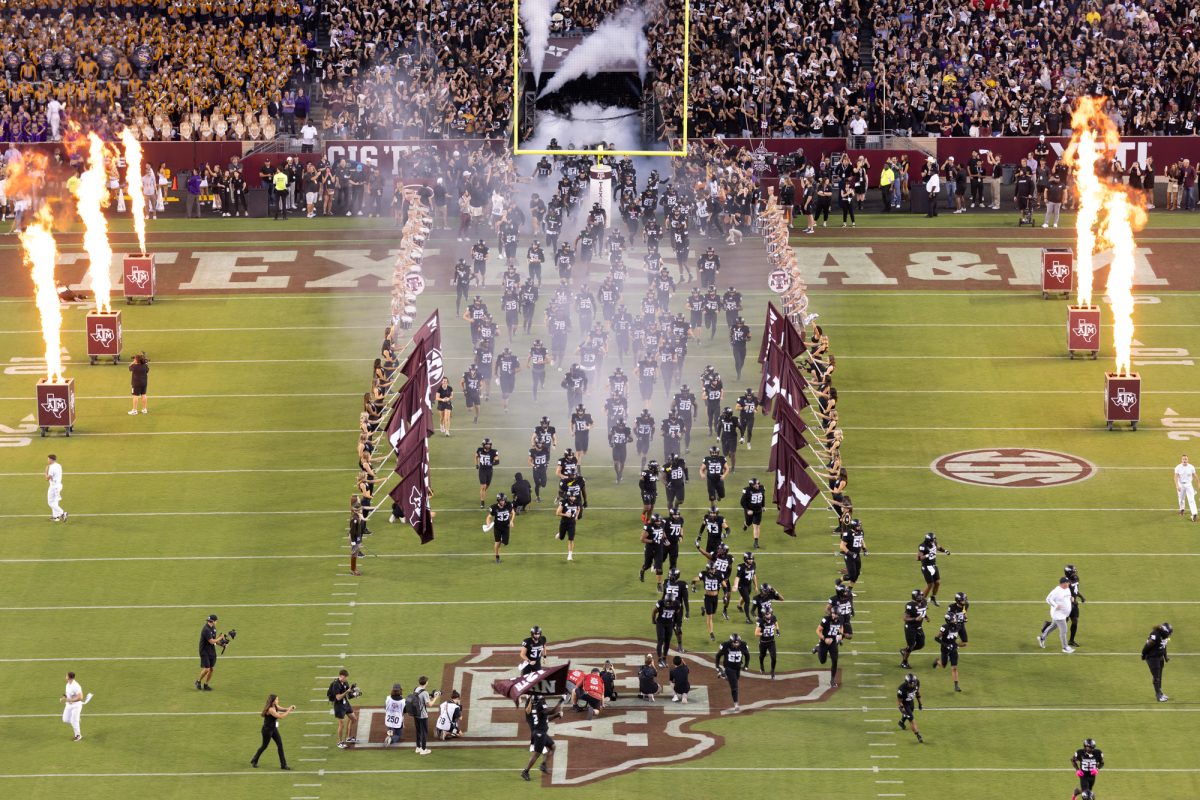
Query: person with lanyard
(271, 714)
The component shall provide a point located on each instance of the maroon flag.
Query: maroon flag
(412, 493)
(779, 333)
(795, 491)
(550, 681)
(770, 330)
(788, 434)
(411, 408)
(782, 378)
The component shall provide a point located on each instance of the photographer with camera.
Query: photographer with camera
(419, 703)
(340, 693)
(139, 378)
(209, 641)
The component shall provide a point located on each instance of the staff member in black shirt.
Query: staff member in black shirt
(208, 652)
(139, 377)
(358, 529)
(271, 714)
(1154, 653)
(522, 494)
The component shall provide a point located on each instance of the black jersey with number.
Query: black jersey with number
(734, 656)
(1088, 761)
(745, 573)
(472, 381)
(643, 427)
(907, 692)
(713, 390)
(616, 407)
(581, 422)
(753, 498)
(537, 358)
(830, 629)
(666, 612)
(677, 471)
(487, 458)
(843, 604)
(854, 540)
(767, 631)
(672, 428)
(647, 370)
(914, 613)
(656, 531)
(959, 612)
(714, 466)
(648, 482)
(568, 467)
(540, 457)
(618, 435)
(544, 434)
(928, 553)
(507, 365)
(674, 529)
(501, 516)
(535, 650)
(723, 566)
(947, 636)
(711, 580)
(728, 427)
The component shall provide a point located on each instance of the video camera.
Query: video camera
(354, 692)
(224, 639)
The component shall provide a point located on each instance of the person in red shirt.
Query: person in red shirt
(587, 688)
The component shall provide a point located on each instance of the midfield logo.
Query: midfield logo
(55, 405)
(1124, 399)
(1085, 330)
(1013, 467)
(628, 734)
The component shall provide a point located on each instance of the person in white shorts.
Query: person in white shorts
(73, 698)
(54, 476)
(1185, 486)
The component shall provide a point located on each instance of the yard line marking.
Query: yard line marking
(881, 744)
(482, 555)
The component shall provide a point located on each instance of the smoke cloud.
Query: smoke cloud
(536, 14)
(618, 40)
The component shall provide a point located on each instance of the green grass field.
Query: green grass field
(229, 497)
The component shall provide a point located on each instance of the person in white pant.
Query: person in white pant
(54, 476)
(73, 698)
(1185, 486)
(1059, 600)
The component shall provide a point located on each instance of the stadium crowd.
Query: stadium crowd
(177, 69)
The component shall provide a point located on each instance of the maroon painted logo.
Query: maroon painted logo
(1013, 467)
(627, 734)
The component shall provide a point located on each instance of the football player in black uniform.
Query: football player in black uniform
(958, 609)
(947, 636)
(540, 743)
(712, 585)
(684, 406)
(567, 467)
(732, 657)
(507, 367)
(747, 408)
(729, 430)
(676, 475)
(842, 602)
(713, 390)
(709, 264)
(539, 357)
(1087, 761)
(766, 630)
(853, 547)
(581, 424)
(761, 604)
(539, 459)
(648, 485)
(713, 528)
(712, 304)
(666, 618)
(1077, 599)
(1154, 653)
(927, 553)
(501, 519)
(479, 256)
(714, 468)
(829, 631)
(643, 432)
(536, 257)
(568, 511)
(907, 695)
(739, 336)
(485, 459)
(675, 525)
(675, 588)
(575, 381)
(722, 562)
(914, 627)
(654, 535)
(672, 437)
(462, 282)
(744, 580)
(472, 386)
(731, 302)
(618, 439)
(533, 650)
(754, 497)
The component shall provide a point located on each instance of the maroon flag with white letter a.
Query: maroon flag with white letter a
(795, 491)
(429, 336)
(552, 680)
(782, 378)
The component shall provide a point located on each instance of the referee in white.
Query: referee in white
(1059, 600)
(54, 477)
(1185, 486)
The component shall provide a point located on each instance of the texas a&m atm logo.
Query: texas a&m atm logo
(1085, 330)
(103, 334)
(1013, 467)
(138, 276)
(626, 735)
(1124, 399)
(54, 405)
